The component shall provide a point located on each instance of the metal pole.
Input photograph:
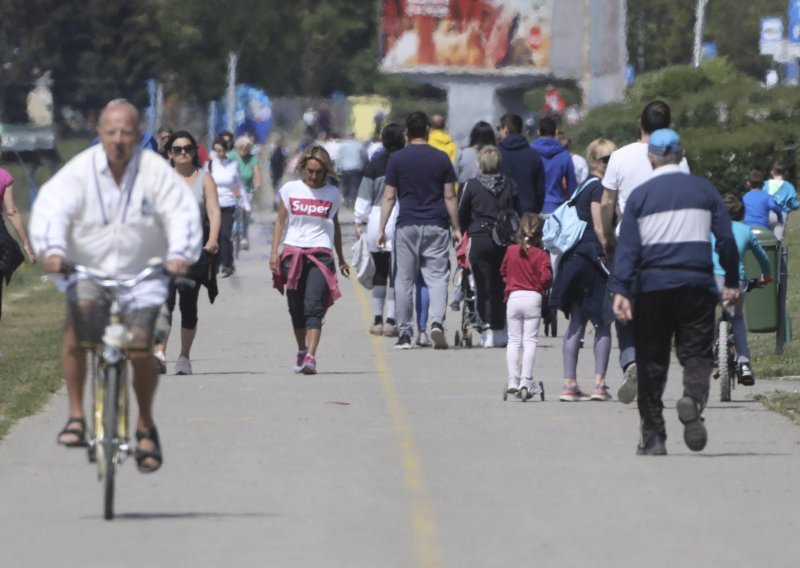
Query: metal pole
(783, 270)
(231, 92)
(699, 23)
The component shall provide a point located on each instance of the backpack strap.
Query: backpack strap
(578, 191)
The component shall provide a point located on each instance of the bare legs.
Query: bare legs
(307, 339)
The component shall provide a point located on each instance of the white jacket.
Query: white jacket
(83, 215)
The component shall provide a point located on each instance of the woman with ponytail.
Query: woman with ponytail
(528, 275)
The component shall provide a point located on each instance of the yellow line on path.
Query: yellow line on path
(426, 543)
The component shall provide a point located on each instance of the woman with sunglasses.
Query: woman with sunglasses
(181, 148)
(579, 289)
(229, 189)
(309, 209)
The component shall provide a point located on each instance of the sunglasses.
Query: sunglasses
(604, 159)
(189, 148)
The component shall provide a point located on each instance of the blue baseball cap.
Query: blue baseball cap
(664, 141)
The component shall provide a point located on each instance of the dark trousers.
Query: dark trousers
(226, 237)
(383, 269)
(687, 314)
(485, 259)
(188, 304)
(351, 180)
(307, 304)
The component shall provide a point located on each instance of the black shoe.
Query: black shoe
(437, 336)
(652, 444)
(746, 377)
(403, 342)
(694, 431)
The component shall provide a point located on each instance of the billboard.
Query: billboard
(493, 37)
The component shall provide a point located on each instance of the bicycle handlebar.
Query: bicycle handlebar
(155, 269)
(104, 282)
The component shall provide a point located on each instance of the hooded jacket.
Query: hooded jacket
(524, 165)
(441, 140)
(558, 171)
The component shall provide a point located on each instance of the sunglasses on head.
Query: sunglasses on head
(189, 148)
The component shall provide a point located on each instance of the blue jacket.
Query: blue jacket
(558, 169)
(665, 236)
(757, 205)
(784, 194)
(524, 165)
(745, 240)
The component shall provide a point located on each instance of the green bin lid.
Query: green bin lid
(764, 236)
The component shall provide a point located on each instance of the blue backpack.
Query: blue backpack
(563, 229)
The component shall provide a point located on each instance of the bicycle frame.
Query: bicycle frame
(109, 438)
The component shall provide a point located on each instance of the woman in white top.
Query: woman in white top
(368, 213)
(309, 210)
(229, 188)
(181, 148)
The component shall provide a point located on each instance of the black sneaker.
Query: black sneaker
(694, 431)
(437, 336)
(746, 377)
(652, 444)
(404, 342)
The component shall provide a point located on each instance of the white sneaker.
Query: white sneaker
(487, 338)
(423, 340)
(183, 366)
(628, 390)
(245, 244)
(513, 385)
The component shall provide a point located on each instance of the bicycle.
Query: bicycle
(725, 350)
(108, 434)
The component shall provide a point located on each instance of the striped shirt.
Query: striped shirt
(665, 236)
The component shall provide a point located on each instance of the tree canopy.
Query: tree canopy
(100, 49)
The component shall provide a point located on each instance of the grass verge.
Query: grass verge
(30, 339)
(786, 403)
(762, 345)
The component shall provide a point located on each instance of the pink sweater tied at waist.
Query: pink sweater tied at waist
(292, 279)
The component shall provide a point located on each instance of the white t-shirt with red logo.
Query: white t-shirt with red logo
(311, 212)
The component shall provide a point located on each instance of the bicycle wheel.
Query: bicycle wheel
(724, 367)
(110, 438)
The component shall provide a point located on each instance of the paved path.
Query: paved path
(397, 459)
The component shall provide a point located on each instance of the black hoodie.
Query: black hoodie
(524, 165)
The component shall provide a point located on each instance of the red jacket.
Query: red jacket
(530, 272)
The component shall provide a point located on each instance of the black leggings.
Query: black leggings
(188, 304)
(307, 304)
(485, 259)
(383, 269)
(226, 237)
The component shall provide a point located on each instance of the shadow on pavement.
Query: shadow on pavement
(188, 515)
(733, 455)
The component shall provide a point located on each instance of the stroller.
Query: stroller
(466, 286)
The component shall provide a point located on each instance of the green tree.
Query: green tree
(661, 32)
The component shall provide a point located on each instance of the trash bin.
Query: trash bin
(761, 304)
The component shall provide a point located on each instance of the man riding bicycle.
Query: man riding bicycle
(111, 209)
